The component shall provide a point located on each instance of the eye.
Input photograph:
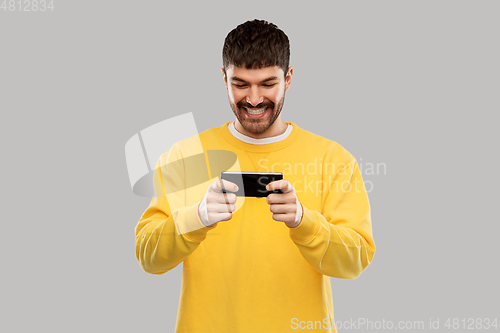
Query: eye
(239, 85)
(269, 85)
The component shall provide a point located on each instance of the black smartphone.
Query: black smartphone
(251, 184)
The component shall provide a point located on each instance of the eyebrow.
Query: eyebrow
(272, 78)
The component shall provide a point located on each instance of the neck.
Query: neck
(277, 128)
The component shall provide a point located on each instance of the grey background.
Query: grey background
(412, 84)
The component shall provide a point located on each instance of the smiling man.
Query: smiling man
(257, 97)
(267, 266)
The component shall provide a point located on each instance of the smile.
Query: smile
(257, 111)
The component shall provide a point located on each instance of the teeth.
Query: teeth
(258, 111)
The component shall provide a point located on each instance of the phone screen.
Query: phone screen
(252, 184)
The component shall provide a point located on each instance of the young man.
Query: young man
(255, 264)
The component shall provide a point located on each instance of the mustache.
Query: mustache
(259, 106)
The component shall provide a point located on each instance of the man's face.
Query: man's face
(256, 95)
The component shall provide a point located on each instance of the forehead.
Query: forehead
(254, 75)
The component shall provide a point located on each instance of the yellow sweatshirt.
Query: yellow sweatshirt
(252, 273)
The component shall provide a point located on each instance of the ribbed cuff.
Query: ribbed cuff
(307, 228)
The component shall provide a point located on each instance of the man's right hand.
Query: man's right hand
(217, 206)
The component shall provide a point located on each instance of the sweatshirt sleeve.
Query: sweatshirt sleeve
(160, 241)
(338, 241)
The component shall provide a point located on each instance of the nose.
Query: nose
(254, 99)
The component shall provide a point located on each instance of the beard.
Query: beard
(257, 125)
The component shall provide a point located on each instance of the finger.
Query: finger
(279, 198)
(221, 208)
(222, 198)
(288, 218)
(281, 184)
(283, 208)
(229, 216)
(222, 184)
(217, 217)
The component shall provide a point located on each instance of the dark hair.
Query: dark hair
(256, 44)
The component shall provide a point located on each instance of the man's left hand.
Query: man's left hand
(284, 205)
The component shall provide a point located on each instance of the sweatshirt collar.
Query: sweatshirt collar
(263, 141)
(283, 141)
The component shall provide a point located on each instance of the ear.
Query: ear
(224, 77)
(288, 78)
